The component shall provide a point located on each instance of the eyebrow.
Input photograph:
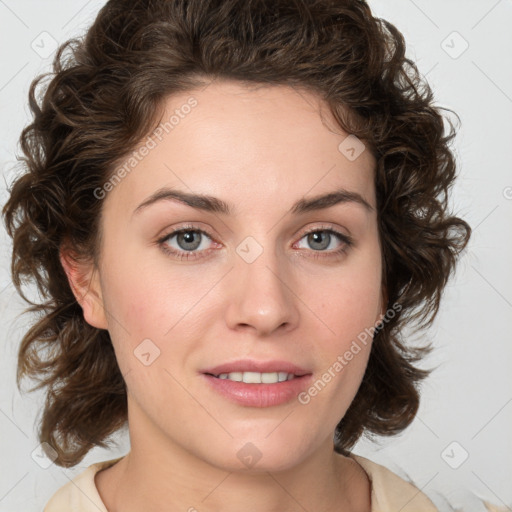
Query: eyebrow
(212, 204)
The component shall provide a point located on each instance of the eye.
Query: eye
(185, 243)
(321, 239)
(189, 242)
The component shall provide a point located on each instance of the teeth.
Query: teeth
(251, 377)
(269, 378)
(284, 376)
(257, 377)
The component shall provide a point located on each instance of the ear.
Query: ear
(84, 281)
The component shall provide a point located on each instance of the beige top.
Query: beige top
(390, 493)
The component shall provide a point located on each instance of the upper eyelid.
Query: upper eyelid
(178, 230)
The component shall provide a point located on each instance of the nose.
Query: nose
(261, 297)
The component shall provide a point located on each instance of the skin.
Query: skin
(260, 150)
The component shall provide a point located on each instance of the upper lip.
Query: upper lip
(250, 365)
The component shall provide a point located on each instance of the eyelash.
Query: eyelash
(190, 255)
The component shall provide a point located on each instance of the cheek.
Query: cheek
(350, 314)
(154, 318)
(352, 303)
(146, 301)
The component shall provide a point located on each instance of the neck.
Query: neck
(173, 479)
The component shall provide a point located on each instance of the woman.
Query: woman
(232, 209)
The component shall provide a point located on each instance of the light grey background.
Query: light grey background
(468, 399)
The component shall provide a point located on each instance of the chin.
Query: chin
(253, 455)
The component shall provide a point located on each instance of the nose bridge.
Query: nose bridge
(261, 295)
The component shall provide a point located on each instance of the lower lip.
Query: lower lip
(259, 395)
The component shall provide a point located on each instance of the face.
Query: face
(263, 283)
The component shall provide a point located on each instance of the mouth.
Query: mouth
(252, 371)
(256, 377)
(253, 383)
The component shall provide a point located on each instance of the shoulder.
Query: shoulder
(390, 492)
(80, 494)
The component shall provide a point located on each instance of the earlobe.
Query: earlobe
(84, 282)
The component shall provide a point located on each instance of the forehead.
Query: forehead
(238, 141)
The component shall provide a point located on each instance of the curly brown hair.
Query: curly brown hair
(104, 96)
